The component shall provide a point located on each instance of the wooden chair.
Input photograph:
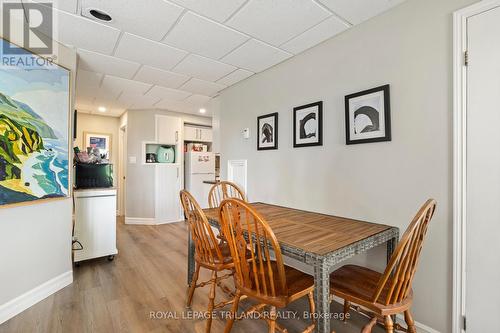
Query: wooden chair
(263, 279)
(381, 296)
(224, 190)
(209, 254)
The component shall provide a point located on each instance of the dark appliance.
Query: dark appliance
(94, 175)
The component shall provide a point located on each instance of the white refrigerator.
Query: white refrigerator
(199, 167)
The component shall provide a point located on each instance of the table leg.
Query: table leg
(391, 246)
(322, 296)
(190, 268)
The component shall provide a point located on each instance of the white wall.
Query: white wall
(408, 48)
(140, 178)
(35, 241)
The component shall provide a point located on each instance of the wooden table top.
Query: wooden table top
(311, 232)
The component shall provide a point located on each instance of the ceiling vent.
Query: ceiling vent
(97, 15)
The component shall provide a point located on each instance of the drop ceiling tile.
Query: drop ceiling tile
(84, 107)
(357, 11)
(256, 56)
(100, 63)
(136, 101)
(197, 100)
(160, 77)
(109, 100)
(147, 18)
(66, 5)
(86, 79)
(117, 84)
(167, 93)
(234, 77)
(202, 87)
(219, 10)
(203, 36)
(203, 68)
(79, 32)
(276, 22)
(167, 104)
(317, 34)
(148, 52)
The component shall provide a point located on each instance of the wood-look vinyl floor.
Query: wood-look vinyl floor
(147, 276)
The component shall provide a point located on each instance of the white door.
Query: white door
(168, 185)
(483, 173)
(168, 129)
(122, 174)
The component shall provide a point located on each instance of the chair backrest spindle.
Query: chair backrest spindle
(397, 279)
(205, 242)
(263, 276)
(224, 190)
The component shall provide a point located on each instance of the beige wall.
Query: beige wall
(100, 124)
(140, 178)
(409, 48)
(35, 240)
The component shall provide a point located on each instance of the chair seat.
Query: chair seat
(298, 283)
(358, 284)
(227, 259)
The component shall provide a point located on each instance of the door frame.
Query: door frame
(460, 156)
(122, 169)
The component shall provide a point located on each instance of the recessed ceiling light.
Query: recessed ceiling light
(100, 15)
(101, 109)
(203, 110)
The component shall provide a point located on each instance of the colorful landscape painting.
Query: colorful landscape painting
(34, 120)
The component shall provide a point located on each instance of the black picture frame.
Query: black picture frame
(385, 89)
(274, 133)
(319, 135)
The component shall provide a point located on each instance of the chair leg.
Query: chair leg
(312, 307)
(234, 311)
(389, 324)
(211, 300)
(272, 320)
(312, 310)
(410, 322)
(347, 307)
(368, 327)
(192, 287)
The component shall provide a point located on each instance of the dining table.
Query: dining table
(317, 240)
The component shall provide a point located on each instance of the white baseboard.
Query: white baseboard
(147, 221)
(421, 328)
(35, 295)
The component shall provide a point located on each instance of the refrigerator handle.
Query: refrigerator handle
(177, 172)
(176, 136)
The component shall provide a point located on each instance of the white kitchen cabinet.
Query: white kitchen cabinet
(95, 223)
(190, 133)
(168, 129)
(167, 188)
(206, 134)
(197, 133)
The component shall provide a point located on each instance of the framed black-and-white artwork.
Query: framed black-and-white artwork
(267, 131)
(368, 116)
(308, 125)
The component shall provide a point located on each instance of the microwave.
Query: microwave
(93, 175)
